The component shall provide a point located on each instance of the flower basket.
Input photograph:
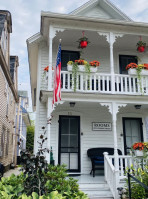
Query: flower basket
(83, 44)
(138, 153)
(132, 71)
(81, 68)
(141, 49)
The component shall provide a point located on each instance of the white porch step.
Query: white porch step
(96, 191)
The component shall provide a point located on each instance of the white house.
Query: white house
(114, 98)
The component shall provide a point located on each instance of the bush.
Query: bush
(137, 191)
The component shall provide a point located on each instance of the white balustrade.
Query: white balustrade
(109, 172)
(102, 83)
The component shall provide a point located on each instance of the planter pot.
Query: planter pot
(81, 68)
(138, 153)
(141, 49)
(83, 44)
(132, 71)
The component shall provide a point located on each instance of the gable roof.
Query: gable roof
(100, 9)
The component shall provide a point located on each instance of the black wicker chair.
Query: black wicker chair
(97, 157)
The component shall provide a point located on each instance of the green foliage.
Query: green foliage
(57, 179)
(74, 75)
(138, 192)
(11, 187)
(30, 137)
(33, 168)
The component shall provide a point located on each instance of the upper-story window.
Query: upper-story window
(124, 60)
(68, 56)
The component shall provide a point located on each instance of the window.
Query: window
(124, 60)
(68, 56)
(7, 103)
(2, 142)
(7, 142)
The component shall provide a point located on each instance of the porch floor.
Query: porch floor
(95, 187)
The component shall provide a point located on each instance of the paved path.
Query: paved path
(16, 171)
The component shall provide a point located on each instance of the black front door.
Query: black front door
(132, 130)
(124, 60)
(69, 142)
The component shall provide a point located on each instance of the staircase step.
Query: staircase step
(99, 194)
(96, 191)
(93, 186)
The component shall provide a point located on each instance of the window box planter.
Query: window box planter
(132, 71)
(81, 68)
(138, 153)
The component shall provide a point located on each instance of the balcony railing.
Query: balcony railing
(105, 83)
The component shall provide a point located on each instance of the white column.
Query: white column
(51, 36)
(114, 127)
(49, 111)
(111, 42)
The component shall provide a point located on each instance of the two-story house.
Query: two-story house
(8, 92)
(113, 110)
(22, 121)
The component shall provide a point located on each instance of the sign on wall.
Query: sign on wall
(101, 126)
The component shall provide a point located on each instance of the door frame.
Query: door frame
(124, 133)
(79, 146)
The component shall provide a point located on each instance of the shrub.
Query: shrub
(137, 191)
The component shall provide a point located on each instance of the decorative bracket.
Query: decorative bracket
(113, 107)
(53, 31)
(110, 36)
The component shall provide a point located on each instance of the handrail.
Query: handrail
(135, 179)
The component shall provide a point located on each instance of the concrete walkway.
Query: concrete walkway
(16, 171)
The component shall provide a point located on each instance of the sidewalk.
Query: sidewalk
(16, 171)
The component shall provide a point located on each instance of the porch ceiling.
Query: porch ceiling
(70, 38)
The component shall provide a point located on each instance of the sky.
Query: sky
(26, 22)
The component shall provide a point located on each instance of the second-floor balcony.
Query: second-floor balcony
(104, 83)
(113, 51)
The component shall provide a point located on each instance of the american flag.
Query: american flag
(57, 78)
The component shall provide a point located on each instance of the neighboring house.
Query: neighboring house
(8, 92)
(22, 121)
(113, 98)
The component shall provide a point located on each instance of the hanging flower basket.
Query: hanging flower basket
(83, 41)
(141, 49)
(141, 46)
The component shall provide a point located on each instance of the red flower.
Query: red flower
(131, 65)
(46, 68)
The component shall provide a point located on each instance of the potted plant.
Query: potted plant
(81, 65)
(83, 42)
(141, 46)
(140, 148)
(134, 69)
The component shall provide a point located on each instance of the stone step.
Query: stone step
(97, 190)
(93, 186)
(99, 194)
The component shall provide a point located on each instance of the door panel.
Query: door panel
(124, 60)
(132, 129)
(67, 56)
(69, 142)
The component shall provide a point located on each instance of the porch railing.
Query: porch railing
(105, 83)
(109, 171)
(112, 176)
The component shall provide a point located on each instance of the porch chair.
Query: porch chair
(97, 157)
